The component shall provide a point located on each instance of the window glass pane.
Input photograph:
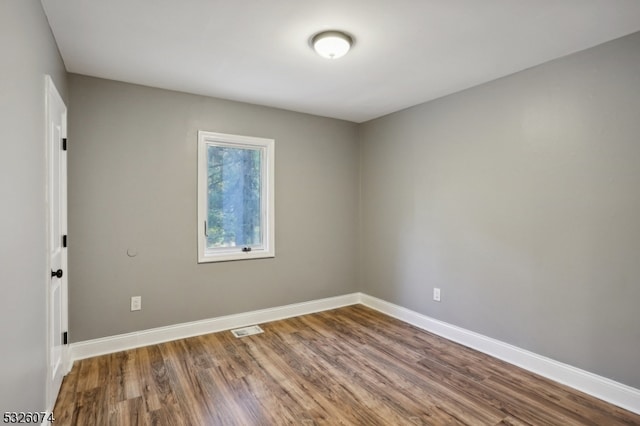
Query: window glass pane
(234, 205)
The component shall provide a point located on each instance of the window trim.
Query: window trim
(206, 138)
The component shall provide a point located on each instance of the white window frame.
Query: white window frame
(267, 146)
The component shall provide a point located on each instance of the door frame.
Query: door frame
(53, 101)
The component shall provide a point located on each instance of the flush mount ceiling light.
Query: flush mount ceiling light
(331, 44)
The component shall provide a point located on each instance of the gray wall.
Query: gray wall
(132, 184)
(28, 53)
(520, 199)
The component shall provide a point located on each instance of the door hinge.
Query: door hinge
(65, 337)
(64, 144)
(64, 241)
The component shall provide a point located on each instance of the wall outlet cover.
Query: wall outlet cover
(136, 303)
(436, 294)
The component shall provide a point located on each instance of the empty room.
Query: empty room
(342, 212)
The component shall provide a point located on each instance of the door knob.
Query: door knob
(57, 273)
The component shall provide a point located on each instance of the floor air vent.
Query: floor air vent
(247, 331)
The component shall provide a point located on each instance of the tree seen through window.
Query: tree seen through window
(233, 196)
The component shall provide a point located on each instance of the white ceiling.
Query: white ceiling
(406, 51)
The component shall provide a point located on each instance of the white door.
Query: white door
(56, 117)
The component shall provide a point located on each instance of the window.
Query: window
(235, 197)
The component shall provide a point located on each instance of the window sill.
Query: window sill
(228, 257)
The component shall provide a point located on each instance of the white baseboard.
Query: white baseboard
(608, 390)
(121, 342)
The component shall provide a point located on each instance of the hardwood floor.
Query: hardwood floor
(350, 366)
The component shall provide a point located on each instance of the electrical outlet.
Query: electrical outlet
(436, 294)
(136, 303)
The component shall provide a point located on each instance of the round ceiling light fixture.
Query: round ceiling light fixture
(331, 44)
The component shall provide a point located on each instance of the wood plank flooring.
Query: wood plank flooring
(350, 366)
